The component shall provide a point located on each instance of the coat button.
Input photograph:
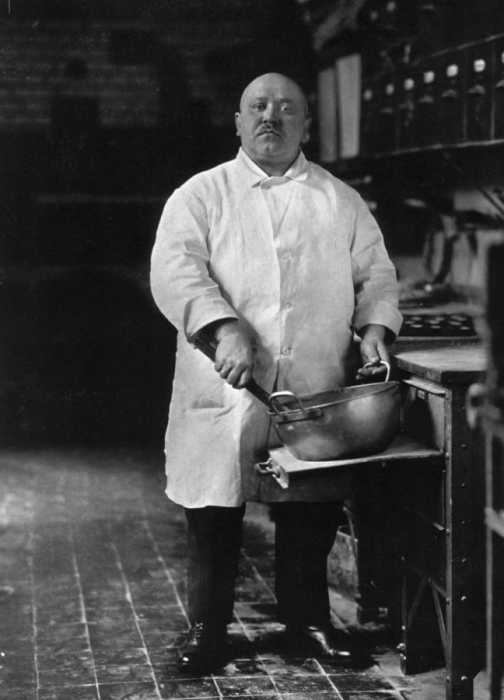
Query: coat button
(287, 256)
(287, 304)
(286, 350)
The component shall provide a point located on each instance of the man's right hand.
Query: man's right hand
(234, 358)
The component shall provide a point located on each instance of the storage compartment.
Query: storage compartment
(407, 99)
(484, 19)
(451, 99)
(368, 112)
(423, 414)
(454, 19)
(422, 490)
(428, 104)
(422, 545)
(499, 89)
(423, 618)
(386, 116)
(479, 92)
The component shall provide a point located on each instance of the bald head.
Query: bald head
(273, 122)
(274, 79)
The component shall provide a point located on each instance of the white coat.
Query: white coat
(300, 261)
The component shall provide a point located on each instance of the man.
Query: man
(277, 262)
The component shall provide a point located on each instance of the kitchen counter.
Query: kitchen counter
(445, 361)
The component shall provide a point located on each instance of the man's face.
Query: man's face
(272, 122)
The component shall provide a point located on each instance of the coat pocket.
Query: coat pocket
(196, 384)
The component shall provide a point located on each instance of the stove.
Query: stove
(445, 325)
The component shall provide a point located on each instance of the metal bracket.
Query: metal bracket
(269, 468)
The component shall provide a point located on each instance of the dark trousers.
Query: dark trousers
(305, 534)
(213, 550)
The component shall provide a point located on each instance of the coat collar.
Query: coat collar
(254, 176)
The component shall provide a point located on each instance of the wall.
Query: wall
(105, 107)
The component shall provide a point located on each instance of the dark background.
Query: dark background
(105, 107)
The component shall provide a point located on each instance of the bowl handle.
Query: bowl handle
(277, 406)
(387, 365)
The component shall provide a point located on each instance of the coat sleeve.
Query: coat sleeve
(374, 275)
(181, 284)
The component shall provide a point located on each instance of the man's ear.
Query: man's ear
(238, 123)
(306, 135)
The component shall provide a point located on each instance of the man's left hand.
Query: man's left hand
(373, 351)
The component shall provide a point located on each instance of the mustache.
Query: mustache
(269, 130)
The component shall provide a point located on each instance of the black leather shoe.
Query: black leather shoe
(204, 649)
(325, 642)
